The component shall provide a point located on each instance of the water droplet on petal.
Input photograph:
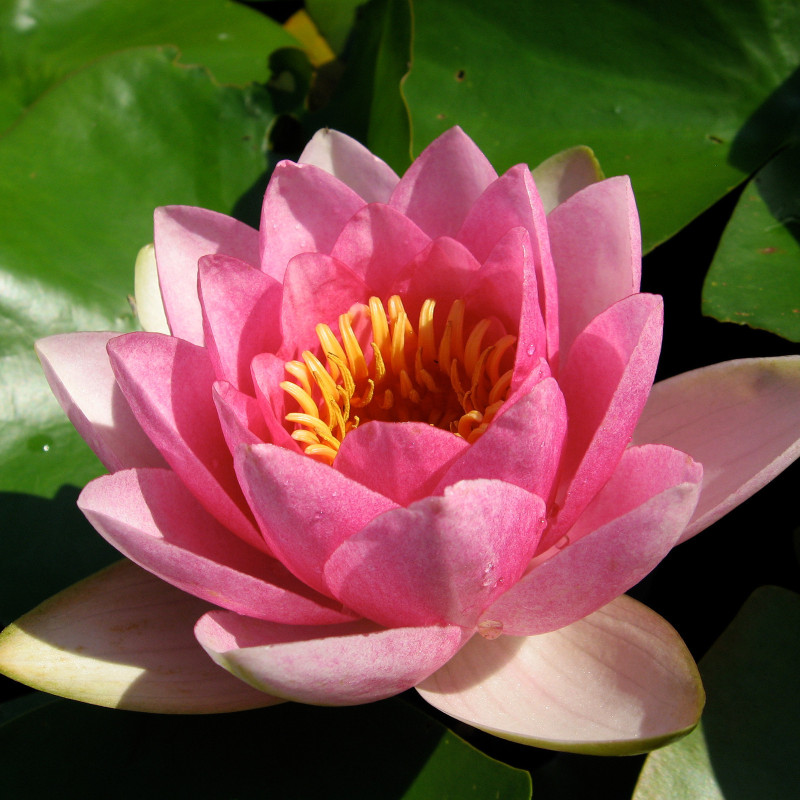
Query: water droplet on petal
(562, 543)
(530, 350)
(490, 628)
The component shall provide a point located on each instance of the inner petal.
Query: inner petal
(449, 371)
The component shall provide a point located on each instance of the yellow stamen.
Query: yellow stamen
(454, 383)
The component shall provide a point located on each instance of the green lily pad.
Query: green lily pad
(755, 275)
(42, 41)
(367, 103)
(80, 176)
(687, 98)
(387, 750)
(748, 740)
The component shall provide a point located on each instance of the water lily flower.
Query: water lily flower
(404, 435)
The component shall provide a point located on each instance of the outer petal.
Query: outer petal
(352, 163)
(304, 211)
(183, 235)
(512, 202)
(305, 509)
(522, 445)
(400, 460)
(339, 665)
(560, 176)
(597, 251)
(122, 639)
(241, 316)
(740, 419)
(618, 682)
(379, 244)
(77, 368)
(149, 516)
(629, 527)
(441, 185)
(167, 382)
(149, 305)
(605, 383)
(441, 560)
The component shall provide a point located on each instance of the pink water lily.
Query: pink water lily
(402, 436)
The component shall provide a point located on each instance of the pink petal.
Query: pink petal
(441, 560)
(597, 251)
(618, 682)
(352, 163)
(183, 235)
(77, 368)
(239, 415)
(605, 383)
(629, 527)
(440, 187)
(317, 289)
(522, 445)
(739, 419)
(337, 665)
(442, 272)
(497, 286)
(379, 245)
(167, 383)
(123, 639)
(268, 372)
(400, 460)
(562, 175)
(150, 517)
(304, 211)
(305, 509)
(241, 316)
(512, 202)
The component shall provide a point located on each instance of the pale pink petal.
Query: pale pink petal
(740, 419)
(305, 509)
(147, 292)
(304, 211)
(560, 176)
(441, 560)
(618, 682)
(241, 316)
(77, 368)
(150, 517)
(439, 188)
(268, 372)
(239, 416)
(628, 528)
(317, 289)
(183, 234)
(605, 383)
(379, 245)
(338, 665)
(597, 251)
(400, 460)
(168, 382)
(352, 163)
(123, 639)
(522, 445)
(512, 202)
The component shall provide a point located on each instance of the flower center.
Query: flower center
(453, 380)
